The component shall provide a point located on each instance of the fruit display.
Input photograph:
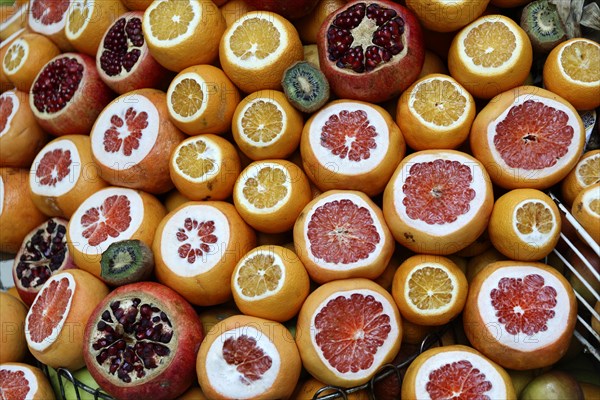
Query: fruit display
(304, 200)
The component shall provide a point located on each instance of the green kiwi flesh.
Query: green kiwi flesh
(541, 21)
(305, 86)
(125, 262)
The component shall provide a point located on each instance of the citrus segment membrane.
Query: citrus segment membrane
(56, 169)
(172, 21)
(47, 16)
(439, 193)
(431, 289)
(242, 363)
(458, 375)
(342, 232)
(588, 172)
(349, 138)
(439, 103)
(107, 216)
(9, 105)
(265, 188)
(198, 161)
(353, 332)
(262, 123)
(187, 100)
(261, 275)
(534, 222)
(193, 240)
(17, 382)
(49, 311)
(133, 126)
(15, 56)
(519, 306)
(580, 62)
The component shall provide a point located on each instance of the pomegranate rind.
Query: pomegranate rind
(483, 131)
(207, 281)
(418, 373)
(312, 356)
(418, 235)
(147, 167)
(169, 380)
(387, 81)
(65, 346)
(37, 382)
(328, 171)
(79, 114)
(520, 351)
(62, 198)
(145, 211)
(321, 270)
(220, 380)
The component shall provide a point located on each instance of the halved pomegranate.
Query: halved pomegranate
(142, 342)
(43, 253)
(123, 60)
(67, 95)
(371, 50)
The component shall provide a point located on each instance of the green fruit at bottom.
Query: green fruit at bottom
(82, 375)
(552, 385)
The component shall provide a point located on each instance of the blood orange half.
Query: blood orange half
(347, 329)
(438, 201)
(64, 174)
(110, 215)
(351, 145)
(24, 382)
(197, 247)
(341, 234)
(520, 314)
(55, 323)
(245, 357)
(527, 137)
(456, 372)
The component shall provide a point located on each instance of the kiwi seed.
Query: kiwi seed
(126, 261)
(305, 86)
(541, 21)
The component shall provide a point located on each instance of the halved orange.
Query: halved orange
(446, 16)
(585, 173)
(586, 209)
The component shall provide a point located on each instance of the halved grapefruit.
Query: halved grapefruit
(520, 314)
(527, 137)
(342, 234)
(55, 323)
(49, 17)
(63, 175)
(24, 382)
(456, 372)
(347, 330)
(245, 357)
(111, 214)
(438, 201)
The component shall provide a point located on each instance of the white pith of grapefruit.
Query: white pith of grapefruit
(116, 160)
(30, 323)
(172, 239)
(225, 378)
(56, 183)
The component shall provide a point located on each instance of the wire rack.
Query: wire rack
(567, 250)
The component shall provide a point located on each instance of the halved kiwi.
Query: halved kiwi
(126, 261)
(305, 86)
(541, 21)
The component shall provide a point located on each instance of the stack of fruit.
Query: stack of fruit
(251, 199)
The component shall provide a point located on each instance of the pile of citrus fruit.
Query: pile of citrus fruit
(256, 199)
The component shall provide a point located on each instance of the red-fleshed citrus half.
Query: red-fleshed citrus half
(110, 215)
(342, 234)
(456, 372)
(527, 137)
(438, 201)
(244, 357)
(48, 18)
(55, 323)
(63, 175)
(520, 314)
(352, 145)
(196, 248)
(20, 381)
(347, 330)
